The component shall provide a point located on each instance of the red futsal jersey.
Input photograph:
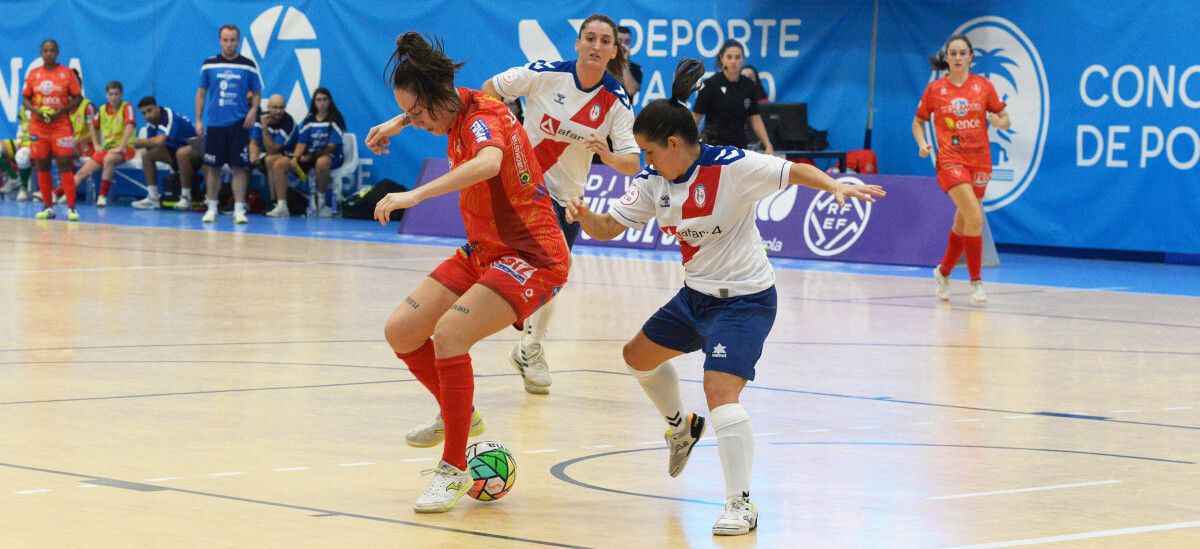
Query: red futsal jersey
(959, 116)
(511, 213)
(51, 88)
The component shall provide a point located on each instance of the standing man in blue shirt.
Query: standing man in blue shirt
(166, 140)
(230, 86)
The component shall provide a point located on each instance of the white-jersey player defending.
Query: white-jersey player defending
(571, 107)
(706, 197)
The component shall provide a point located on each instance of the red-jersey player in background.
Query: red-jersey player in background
(515, 259)
(51, 92)
(959, 105)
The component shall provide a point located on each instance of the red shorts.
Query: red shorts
(953, 175)
(59, 141)
(98, 156)
(525, 287)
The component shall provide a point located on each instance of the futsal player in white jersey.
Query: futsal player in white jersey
(706, 197)
(571, 107)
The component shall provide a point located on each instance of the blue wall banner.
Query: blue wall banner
(1103, 94)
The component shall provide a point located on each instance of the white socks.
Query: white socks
(239, 207)
(212, 204)
(662, 386)
(536, 324)
(735, 444)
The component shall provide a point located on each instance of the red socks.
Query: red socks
(68, 185)
(954, 249)
(421, 363)
(104, 185)
(974, 248)
(46, 186)
(458, 393)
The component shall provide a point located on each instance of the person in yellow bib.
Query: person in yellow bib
(15, 151)
(112, 128)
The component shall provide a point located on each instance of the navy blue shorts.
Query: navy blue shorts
(227, 145)
(336, 158)
(730, 331)
(570, 230)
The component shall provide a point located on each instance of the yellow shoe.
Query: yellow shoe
(72, 215)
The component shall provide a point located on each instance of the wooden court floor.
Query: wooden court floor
(163, 388)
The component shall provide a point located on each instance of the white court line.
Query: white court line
(644, 443)
(286, 469)
(1173, 408)
(920, 423)
(1034, 489)
(861, 427)
(543, 451)
(158, 267)
(356, 464)
(708, 439)
(966, 420)
(160, 479)
(767, 435)
(86, 485)
(27, 492)
(1085, 535)
(229, 474)
(815, 431)
(597, 446)
(1022, 416)
(1122, 411)
(410, 460)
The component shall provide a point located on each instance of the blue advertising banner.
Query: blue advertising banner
(1103, 94)
(908, 227)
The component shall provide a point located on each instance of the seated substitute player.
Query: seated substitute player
(167, 136)
(270, 146)
(112, 127)
(319, 146)
(706, 196)
(514, 262)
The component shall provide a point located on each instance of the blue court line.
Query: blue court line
(1036, 270)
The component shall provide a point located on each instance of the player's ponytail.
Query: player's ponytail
(422, 67)
(938, 61)
(663, 118)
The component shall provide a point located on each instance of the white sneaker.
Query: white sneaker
(977, 293)
(210, 216)
(433, 432)
(324, 211)
(447, 485)
(943, 284)
(10, 186)
(60, 198)
(532, 366)
(239, 217)
(183, 205)
(681, 442)
(148, 203)
(739, 518)
(280, 210)
(101, 201)
(22, 195)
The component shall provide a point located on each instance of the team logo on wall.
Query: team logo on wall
(278, 44)
(830, 229)
(1007, 57)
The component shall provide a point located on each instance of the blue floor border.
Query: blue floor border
(1015, 268)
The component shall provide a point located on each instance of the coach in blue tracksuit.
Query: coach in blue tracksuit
(230, 87)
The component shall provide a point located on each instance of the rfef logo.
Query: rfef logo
(830, 229)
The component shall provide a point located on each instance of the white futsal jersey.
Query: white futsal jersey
(560, 115)
(710, 209)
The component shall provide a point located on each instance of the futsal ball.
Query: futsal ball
(492, 468)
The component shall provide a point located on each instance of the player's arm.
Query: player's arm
(597, 226)
(380, 136)
(629, 82)
(490, 89)
(200, 93)
(812, 177)
(73, 102)
(1000, 120)
(252, 101)
(298, 152)
(626, 163)
(918, 132)
(485, 165)
(125, 135)
(254, 148)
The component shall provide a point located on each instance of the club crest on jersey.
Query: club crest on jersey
(47, 87)
(699, 195)
(630, 197)
(959, 106)
(518, 268)
(594, 113)
(481, 131)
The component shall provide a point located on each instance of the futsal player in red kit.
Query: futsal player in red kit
(514, 262)
(961, 105)
(51, 92)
